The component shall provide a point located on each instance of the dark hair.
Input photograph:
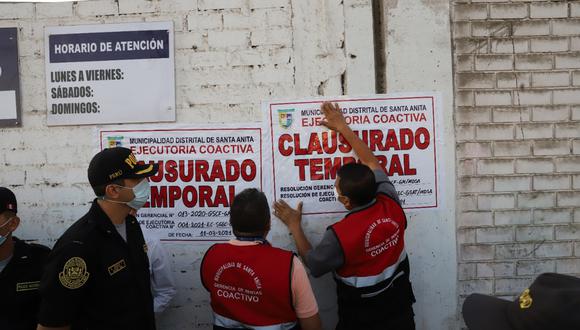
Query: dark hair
(100, 189)
(250, 212)
(357, 182)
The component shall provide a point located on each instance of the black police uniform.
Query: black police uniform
(96, 280)
(19, 283)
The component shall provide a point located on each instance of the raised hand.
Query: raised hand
(333, 117)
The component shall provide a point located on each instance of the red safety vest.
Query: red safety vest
(249, 286)
(373, 243)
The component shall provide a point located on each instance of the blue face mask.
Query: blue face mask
(4, 237)
(141, 192)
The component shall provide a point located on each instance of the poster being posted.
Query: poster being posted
(110, 73)
(201, 169)
(302, 157)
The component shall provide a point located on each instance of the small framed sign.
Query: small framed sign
(10, 108)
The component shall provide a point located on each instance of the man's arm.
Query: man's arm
(293, 220)
(385, 186)
(303, 298)
(335, 121)
(326, 256)
(162, 282)
(60, 296)
(311, 323)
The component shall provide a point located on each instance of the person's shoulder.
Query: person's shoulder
(281, 251)
(387, 199)
(81, 229)
(217, 247)
(222, 246)
(38, 249)
(33, 250)
(78, 235)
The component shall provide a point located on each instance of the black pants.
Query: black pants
(390, 310)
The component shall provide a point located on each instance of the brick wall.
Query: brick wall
(517, 115)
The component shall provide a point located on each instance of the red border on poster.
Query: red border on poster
(185, 130)
(351, 100)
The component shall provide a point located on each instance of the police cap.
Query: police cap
(117, 163)
(551, 302)
(7, 200)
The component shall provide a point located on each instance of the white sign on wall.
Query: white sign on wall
(302, 157)
(201, 169)
(110, 73)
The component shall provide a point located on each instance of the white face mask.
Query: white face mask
(142, 191)
(4, 237)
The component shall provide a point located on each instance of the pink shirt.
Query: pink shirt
(302, 296)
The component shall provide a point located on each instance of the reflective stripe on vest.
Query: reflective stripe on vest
(225, 322)
(364, 281)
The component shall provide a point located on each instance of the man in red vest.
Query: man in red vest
(252, 284)
(366, 249)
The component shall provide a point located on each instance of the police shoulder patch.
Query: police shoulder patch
(74, 273)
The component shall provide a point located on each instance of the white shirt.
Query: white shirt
(122, 230)
(162, 282)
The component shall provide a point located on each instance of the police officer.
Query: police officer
(366, 249)
(21, 266)
(551, 302)
(97, 276)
